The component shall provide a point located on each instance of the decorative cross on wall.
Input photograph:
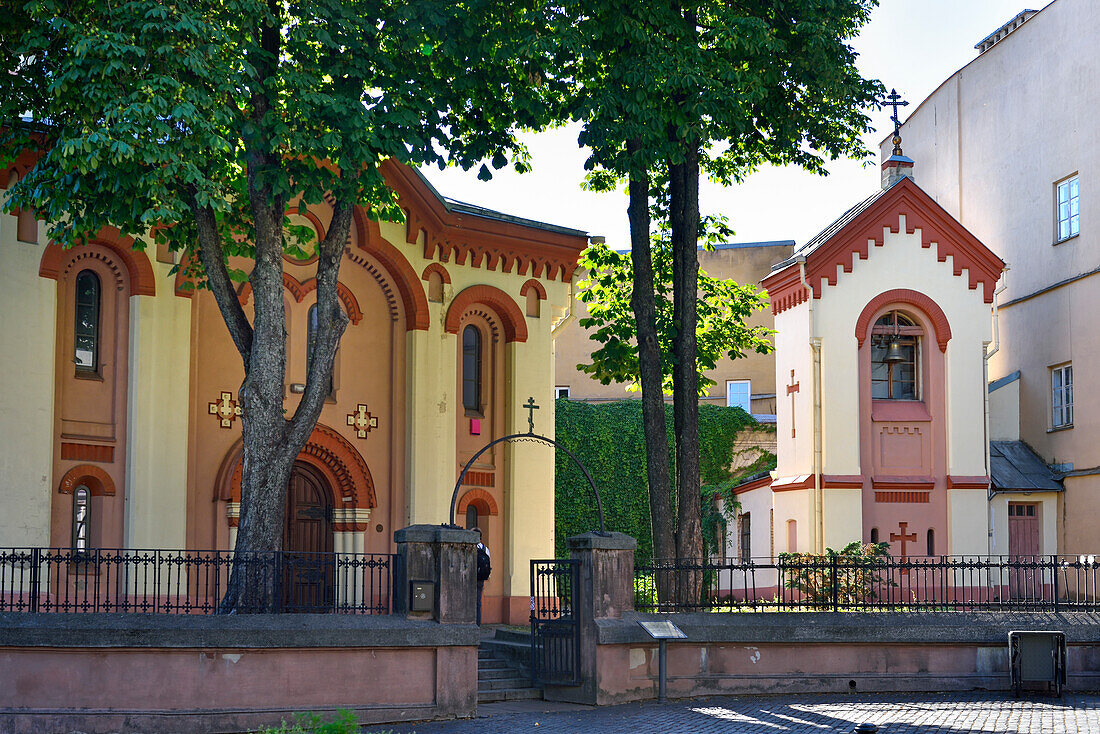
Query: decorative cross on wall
(910, 538)
(791, 390)
(531, 408)
(226, 408)
(362, 421)
(893, 99)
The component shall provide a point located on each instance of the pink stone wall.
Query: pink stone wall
(227, 690)
(628, 672)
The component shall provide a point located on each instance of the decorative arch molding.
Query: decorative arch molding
(137, 270)
(98, 482)
(351, 305)
(399, 271)
(918, 300)
(511, 317)
(290, 283)
(537, 286)
(436, 268)
(342, 466)
(479, 498)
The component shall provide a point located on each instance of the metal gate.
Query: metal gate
(555, 631)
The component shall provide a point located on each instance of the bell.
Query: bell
(893, 352)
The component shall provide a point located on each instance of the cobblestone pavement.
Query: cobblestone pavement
(796, 714)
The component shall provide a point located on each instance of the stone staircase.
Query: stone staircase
(502, 668)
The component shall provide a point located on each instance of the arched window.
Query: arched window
(931, 542)
(311, 337)
(86, 331)
(895, 350)
(471, 369)
(792, 536)
(81, 518)
(874, 535)
(471, 517)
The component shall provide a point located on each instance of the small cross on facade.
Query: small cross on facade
(894, 100)
(362, 421)
(791, 390)
(531, 408)
(226, 409)
(904, 538)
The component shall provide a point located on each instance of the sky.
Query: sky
(910, 45)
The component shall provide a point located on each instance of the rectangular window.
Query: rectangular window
(745, 546)
(561, 391)
(1061, 396)
(739, 394)
(1068, 210)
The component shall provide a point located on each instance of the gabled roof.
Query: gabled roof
(1014, 467)
(853, 233)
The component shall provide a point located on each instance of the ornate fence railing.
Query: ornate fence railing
(188, 582)
(821, 583)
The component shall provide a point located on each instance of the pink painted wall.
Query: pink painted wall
(194, 690)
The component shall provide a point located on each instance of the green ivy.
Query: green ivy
(607, 438)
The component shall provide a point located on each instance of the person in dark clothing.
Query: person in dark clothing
(484, 568)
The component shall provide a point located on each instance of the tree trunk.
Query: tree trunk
(684, 224)
(643, 303)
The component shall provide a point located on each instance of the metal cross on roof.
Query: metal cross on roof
(531, 408)
(893, 99)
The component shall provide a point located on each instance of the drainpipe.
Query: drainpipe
(815, 346)
(987, 353)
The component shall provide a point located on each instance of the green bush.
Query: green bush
(345, 722)
(852, 575)
(608, 440)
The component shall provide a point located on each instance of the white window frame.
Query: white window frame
(1061, 396)
(747, 383)
(1067, 208)
(561, 391)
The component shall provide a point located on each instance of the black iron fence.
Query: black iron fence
(188, 582)
(822, 583)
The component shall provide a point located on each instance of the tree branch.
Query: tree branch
(217, 277)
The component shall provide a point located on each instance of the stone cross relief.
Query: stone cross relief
(226, 409)
(904, 538)
(362, 421)
(791, 390)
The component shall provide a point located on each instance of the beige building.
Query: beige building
(748, 382)
(1005, 146)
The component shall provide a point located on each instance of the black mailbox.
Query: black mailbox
(422, 596)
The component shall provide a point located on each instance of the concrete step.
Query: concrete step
(492, 664)
(506, 634)
(499, 674)
(515, 694)
(515, 653)
(504, 684)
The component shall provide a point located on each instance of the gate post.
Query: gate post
(444, 557)
(605, 590)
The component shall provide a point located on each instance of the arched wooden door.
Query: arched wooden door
(309, 563)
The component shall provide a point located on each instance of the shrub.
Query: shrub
(852, 576)
(345, 722)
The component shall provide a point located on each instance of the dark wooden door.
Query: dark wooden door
(1025, 579)
(308, 559)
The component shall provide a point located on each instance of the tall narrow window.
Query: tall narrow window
(471, 517)
(895, 342)
(471, 369)
(874, 535)
(81, 510)
(1069, 221)
(311, 338)
(86, 332)
(1061, 396)
(792, 536)
(931, 542)
(745, 546)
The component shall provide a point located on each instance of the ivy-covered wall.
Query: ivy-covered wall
(608, 440)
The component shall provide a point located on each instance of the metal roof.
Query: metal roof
(1014, 467)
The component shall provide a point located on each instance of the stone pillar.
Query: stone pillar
(605, 590)
(445, 557)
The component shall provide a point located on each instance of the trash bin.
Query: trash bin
(1037, 656)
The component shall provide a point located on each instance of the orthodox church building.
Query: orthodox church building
(120, 426)
(884, 323)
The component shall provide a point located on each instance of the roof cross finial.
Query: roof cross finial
(894, 100)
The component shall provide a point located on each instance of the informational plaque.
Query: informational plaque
(662, 629)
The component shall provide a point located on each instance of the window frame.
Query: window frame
(1072, 186)
(561, 391)
(748, 385)
(97, 317)
(1061, 397)
(910, 331)
(476, 351)
(82, 498)
(744, 536)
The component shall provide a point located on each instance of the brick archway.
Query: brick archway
(98, 482)
(331, 454)
(139, 270)
(512, 319)
(930, 308)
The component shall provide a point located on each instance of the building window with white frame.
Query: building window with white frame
(744, 545)
(739, 394)
(1068, 209)
(1061, 396)
(561, 391)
